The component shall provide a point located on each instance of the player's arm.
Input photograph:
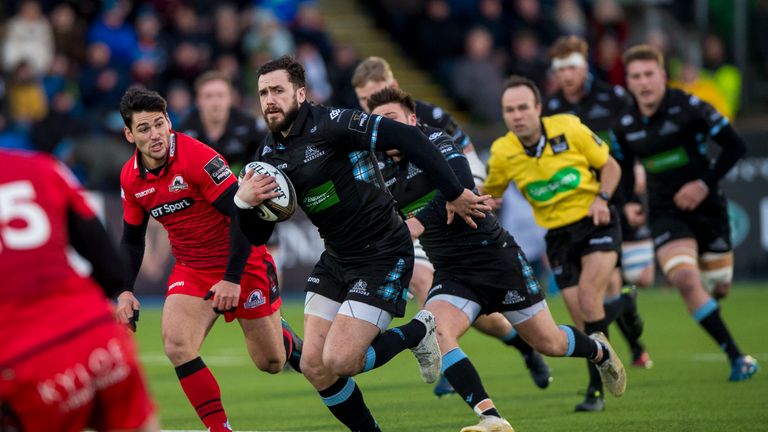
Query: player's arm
(252, 192)
(596, 152)
(132, 245)
(733, 149)
(498, 179)
(372, 133)
(239, 247)
(627, 201)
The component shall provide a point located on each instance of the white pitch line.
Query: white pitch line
(238, 430)
(718, 357)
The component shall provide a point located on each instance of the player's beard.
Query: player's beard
(289, 117)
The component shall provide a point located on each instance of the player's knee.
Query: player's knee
(682, 269)
(341, 365)
(178, 351)
(269, 364)
(312, 367)
(552, 345)
(646, 278)
(716, 272)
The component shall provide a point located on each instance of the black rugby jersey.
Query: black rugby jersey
(672, 146)
(597, 109)
(436, 117)
(329, 157)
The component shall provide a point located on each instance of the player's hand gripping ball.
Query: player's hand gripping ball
(281, 207)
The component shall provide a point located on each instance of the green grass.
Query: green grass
(687, 390)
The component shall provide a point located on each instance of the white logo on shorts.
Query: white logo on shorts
(601, 240)
(360, 287)
(313, 279)
(255, 299)
(175, 284)
(512, 297)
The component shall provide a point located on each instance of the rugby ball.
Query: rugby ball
(281, 207)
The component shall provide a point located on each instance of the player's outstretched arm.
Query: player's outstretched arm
(132, 244)
(254, 190)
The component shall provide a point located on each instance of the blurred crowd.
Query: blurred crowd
(472, 45)
(65, 65)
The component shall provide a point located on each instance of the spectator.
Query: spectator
(112, 29)
(527, 58)
(26, 95)
(28, 39)
(310, 27)
(227, 32)
(69, 32)
(101, 82)
(179, 102)
(267, 34)
(570, 18)
(693, 81)
(490, 14)
(437, 24)
(187, 62)
(55, 133)
(318, 88)
(345, 60)
(608, 64)
(528, 15)
(608, 17)
(152, 51)
(726, 76)
(12, 137)
(476, 79)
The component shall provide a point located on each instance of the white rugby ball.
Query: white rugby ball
(281, 207)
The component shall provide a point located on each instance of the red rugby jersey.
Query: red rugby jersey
(181, 198)
(40, 293)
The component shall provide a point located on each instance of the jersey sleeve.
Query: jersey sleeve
(356, 129)
(708, 118)
(74, 191)
(594, 149)
(498, 175)
(133, 212)
(210, 172)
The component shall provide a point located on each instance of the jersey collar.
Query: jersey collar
(138, 164)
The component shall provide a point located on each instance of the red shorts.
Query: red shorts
(259, 293)
(85, 378)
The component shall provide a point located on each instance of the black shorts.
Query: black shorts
(708, 224)
(502, 281)
(629, 234)
(379, 277)
(566, 245)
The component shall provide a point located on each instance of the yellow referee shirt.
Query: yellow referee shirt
(560, 181)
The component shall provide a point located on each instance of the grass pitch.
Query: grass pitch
(687, 390)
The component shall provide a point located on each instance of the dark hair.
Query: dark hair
(138, 99)
(521, 81)
(290, 65)
(392, 95)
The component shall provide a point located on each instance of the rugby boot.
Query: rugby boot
(612, 371)
(427, 352)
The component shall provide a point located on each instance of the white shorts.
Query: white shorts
(327, 309)
(420, 257)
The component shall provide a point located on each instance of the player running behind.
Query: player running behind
(598, 104)
(481, 271)
(666, 130)
(552, 162)
(66, 363)
(188, 187)
(359, 283)
(373, 75)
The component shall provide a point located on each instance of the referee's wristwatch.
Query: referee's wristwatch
(604, 195)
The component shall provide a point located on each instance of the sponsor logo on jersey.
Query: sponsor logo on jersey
(171, 207)
(320, 198)
(177, 184)
(512, 297)
(335, 113)
(559, 144)
(636, 136)
(627, 120)
(566, 179)
(668, 128)
(598, 111)
(144, 192)
(312, 153)
(359, 122)
(217, 169)
(282, 166)
(255, 299)
(674, 110)
(175, 284)
(437, 113)
(267, 150)
(671, 159)
(360, 287)
(434, 135)
(413, 171)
